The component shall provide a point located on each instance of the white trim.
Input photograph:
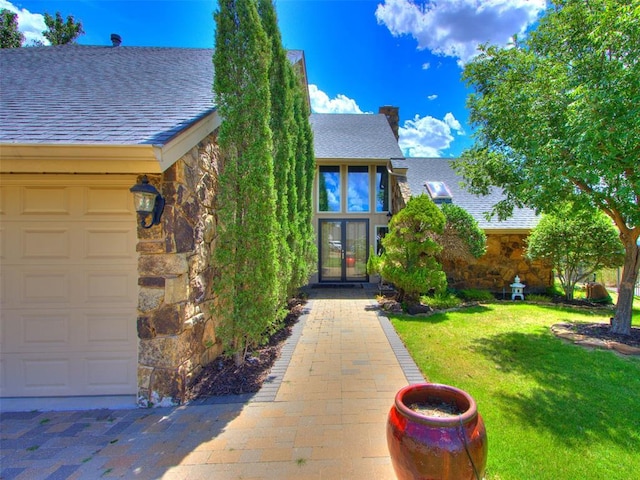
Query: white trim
(174, 149)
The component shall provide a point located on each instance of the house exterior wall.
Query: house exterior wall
(175, 326)
(375, 219)
(497, 268)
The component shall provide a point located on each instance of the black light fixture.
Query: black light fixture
(148, 202)
(389, 214)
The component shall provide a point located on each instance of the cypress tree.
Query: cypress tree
(306, 253)
(245, 258)
(281, 119)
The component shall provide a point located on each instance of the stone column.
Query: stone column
(175, 328)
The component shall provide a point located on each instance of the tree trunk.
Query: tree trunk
(621, 322)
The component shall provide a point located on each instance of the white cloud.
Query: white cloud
(454, 124)
(321, 103)
(455, 28)
(426, 66)
(432, 97)
(30, 24)
(428, 136)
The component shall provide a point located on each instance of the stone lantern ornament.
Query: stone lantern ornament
(517, 289)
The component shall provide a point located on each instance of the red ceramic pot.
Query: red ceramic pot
(430, 447)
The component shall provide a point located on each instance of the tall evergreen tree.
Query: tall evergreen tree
(245, 254)
(10, 36)
(61, 32)
(305, 165)
(281, 120)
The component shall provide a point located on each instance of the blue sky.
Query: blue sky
(360, 54)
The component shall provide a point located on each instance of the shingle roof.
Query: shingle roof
(421, 170)
(76, 94)
(351, 136)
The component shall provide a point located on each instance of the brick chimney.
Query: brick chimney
(392, 116)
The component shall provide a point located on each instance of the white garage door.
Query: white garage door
(68, 286)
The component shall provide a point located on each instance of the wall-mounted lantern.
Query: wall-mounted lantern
(148, 202)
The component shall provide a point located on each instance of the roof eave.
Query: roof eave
(103, 158)
(76, 158)
(169, 153)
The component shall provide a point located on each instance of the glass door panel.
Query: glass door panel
(331, 251)
(344, 245)
(356, 250)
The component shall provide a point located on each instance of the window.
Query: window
(329, 189)
(439, 192)
(358, 184)
(382, 189)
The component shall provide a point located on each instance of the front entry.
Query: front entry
(344, 245)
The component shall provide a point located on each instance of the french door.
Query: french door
(344, 245)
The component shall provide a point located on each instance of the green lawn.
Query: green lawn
(552, 410)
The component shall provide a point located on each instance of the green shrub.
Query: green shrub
(537, 298)
(409, 258)
(441, 301)
(475, 295)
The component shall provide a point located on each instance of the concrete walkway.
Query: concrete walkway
(321, 415)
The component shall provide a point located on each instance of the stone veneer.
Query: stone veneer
(176, 330)
(497, 268)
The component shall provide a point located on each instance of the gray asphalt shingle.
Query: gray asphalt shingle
(102, 95)
(421, 170)
(353, 136)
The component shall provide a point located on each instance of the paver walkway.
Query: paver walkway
(321, 416)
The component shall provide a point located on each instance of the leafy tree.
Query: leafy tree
(556, 118)
(462, 237)
(576, 243)
(61, 32)
(409, 258)
(245, 252)
(10, 36)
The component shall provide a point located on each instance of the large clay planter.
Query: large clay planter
(436, 448)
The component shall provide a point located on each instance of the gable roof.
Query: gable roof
(353, 136)
(421, 170)
(76, 94)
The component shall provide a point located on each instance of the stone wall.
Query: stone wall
(175, 328)
(497, 268)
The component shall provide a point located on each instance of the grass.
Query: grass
(552, 410)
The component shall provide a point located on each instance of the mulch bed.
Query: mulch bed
(222, 377)
(602, 331)
(599, 335)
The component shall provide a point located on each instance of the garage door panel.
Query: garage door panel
(108, 243)
(45, 243)
(113, 331)
(109, 286)
(39, 286)
(54, 200)
(109, 374)
(68, 286)
(38, 331)
(108, 201)
(92, 374)
(46, 373)
(45, 331)
(59, 331)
